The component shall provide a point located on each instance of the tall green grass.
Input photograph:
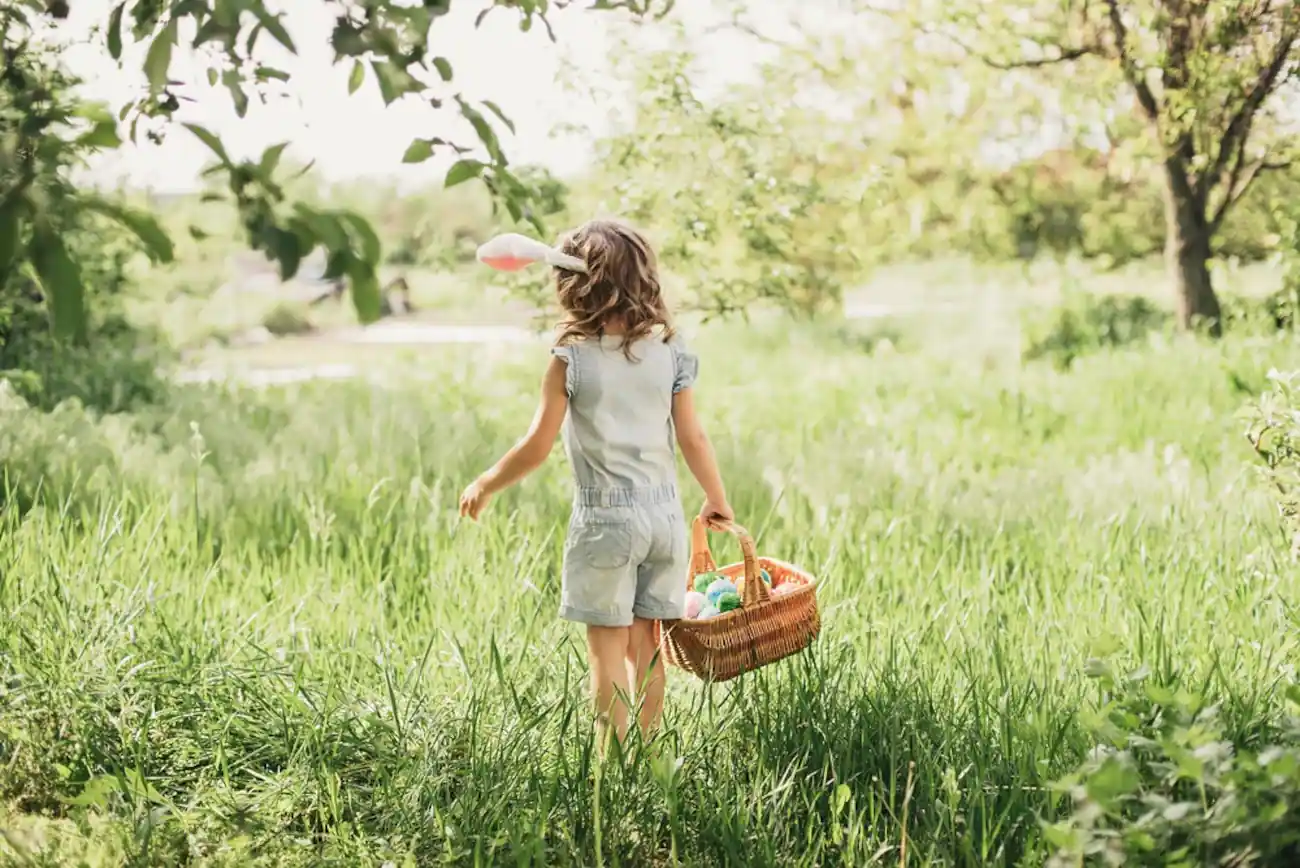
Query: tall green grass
(247, 629)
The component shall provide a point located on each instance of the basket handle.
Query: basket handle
(702, 559)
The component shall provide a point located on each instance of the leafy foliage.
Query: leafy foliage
(1085, 323)
(117, 368)
(1207, 81)
(1166, 784)
(43, 133)
(768, 220)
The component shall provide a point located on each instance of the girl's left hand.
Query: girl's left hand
(474, 499)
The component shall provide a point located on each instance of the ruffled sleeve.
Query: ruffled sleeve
(568, 355)
(686, 366)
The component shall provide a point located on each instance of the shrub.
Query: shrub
(284, 319)
(1166, 785)
(1087, 323)
(118, 366)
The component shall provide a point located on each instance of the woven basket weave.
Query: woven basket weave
(763, 630)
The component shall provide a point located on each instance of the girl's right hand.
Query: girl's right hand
(717, 514)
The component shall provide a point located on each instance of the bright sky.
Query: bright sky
(357, 136)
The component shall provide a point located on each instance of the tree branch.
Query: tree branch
(1065, 56)
(1146, 98)
(758, 36)
(1237, 132)
(1240, 184)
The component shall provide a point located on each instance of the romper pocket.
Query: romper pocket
(602, 545)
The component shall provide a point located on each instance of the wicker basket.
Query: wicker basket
(763, 630)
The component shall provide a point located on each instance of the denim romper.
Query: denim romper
(625, 554)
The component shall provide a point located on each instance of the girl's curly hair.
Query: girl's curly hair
(620, 288)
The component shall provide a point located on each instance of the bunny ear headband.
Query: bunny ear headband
(511, 252)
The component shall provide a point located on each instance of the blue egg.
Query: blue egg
(708, 612)
(718, 588)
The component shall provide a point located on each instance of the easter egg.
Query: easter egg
(718, 588)
(766, 577)
(708, 612)
(703, 580)
(695, 603)
(728, 601)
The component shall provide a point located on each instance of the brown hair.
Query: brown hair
(621, 286)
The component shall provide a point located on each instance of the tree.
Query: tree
(1208, 79)
(389, 40)
(740, 192)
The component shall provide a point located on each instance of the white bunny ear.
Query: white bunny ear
(560, 259)
(512, 251)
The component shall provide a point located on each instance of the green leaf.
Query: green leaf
(102, 135)
(207, 137)
(271, 158)
(496, 110)
(237, 94)
(418, 151)
(1113, 780)
(61, 279)
(357, 78)
(484, 130)
(210, 31)
(115, 32)
(461, 171)
(159, 57)
(394, 81)
(443, 65)
(371, 248)
(96, 792)
(212, 77)
(365, 290)
(337, 264)
(288, 251)
(157, 245)
(267, 73)
(327, 228)
(274, 27)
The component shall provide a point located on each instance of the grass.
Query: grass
(246, 628)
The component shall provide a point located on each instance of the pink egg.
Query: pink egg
(695, 603)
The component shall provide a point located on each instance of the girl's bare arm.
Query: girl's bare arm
(531, 450)
(697, 449)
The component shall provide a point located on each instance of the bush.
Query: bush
(1166, 785)
(285, 320)
(118, 366)
(1088, 323)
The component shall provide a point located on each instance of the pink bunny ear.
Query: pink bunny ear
(511, 252)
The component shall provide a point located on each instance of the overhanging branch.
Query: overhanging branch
(1237, 133)
(1240, 184)
(1132, 74)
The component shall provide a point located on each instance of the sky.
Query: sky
(351, 137)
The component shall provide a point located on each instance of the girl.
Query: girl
(620, 385)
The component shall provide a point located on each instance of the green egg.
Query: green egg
(728, 601)
(766, 578)
(703, 580)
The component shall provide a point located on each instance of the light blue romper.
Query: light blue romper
(625, 554)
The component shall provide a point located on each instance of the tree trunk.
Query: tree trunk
(1187, 253)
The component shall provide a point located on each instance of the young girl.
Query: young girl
(620, 385)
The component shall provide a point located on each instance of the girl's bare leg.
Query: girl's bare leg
(607, 650)
(645, 666)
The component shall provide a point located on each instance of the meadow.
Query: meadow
(245, 627)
